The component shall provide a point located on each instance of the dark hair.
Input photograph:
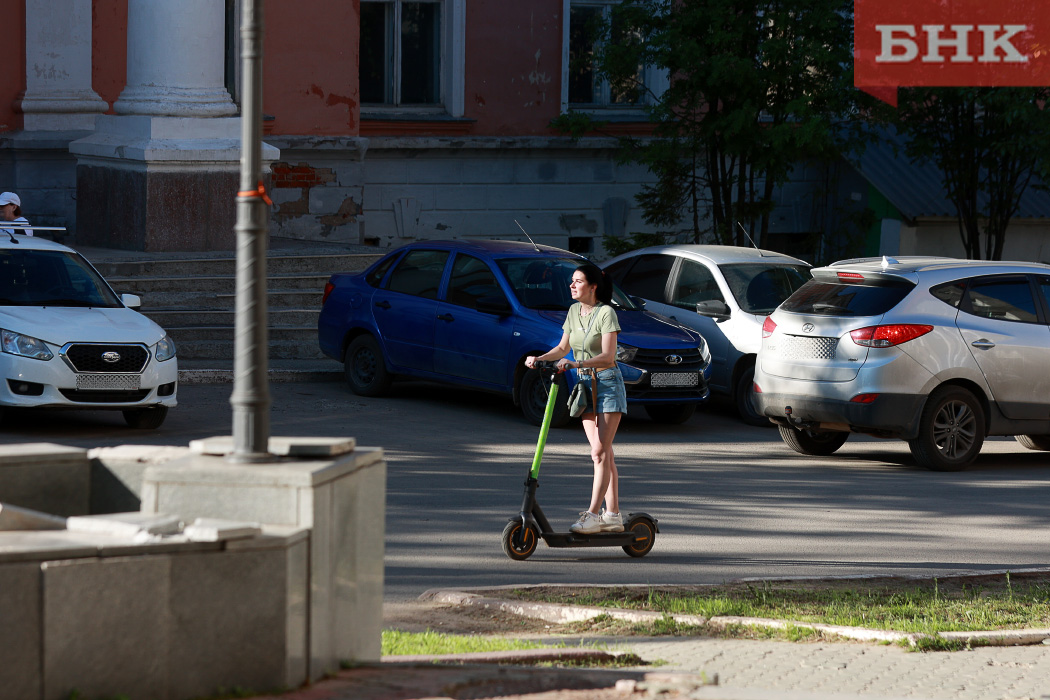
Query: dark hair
(594, 275)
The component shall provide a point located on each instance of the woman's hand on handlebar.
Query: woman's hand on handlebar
(564, 365)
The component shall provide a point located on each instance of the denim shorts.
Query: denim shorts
(612, 394)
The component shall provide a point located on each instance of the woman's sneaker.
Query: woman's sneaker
(588, 524)
(611, 522)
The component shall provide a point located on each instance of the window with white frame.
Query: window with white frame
(583, 87)
(411, 55)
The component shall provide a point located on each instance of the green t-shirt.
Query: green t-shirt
(604, 321)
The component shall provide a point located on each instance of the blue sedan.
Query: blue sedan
(469, 312)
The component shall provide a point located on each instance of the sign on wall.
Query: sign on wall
(950, 43)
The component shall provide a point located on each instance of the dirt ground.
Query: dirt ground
(419, 616)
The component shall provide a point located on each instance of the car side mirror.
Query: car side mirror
(132, 301)
(496, 305)
(713, 308)
(639, 302)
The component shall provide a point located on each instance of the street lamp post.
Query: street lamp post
(251, 393)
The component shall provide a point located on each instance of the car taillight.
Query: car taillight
(768, 326)
(864, 398)
(888, 336)
(328, 287)
(756, 387)
(850, 276)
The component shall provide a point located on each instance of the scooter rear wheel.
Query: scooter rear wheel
(528, 545)
(644, 531)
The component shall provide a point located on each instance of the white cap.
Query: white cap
(10, 198)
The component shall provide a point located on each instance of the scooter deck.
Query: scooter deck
(598, 539)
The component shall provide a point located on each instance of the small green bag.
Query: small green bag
(577, 400)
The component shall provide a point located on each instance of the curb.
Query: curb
(225, 376)
(516, 657)
(563, 613)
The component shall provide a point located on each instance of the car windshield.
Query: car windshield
(760, 287)
(543, 283)
(51, 278)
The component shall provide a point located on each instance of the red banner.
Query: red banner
(950, 43)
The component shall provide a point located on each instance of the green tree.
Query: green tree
(989, 144)
(755, 87)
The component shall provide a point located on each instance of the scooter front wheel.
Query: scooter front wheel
(528, 544)
(644, 531)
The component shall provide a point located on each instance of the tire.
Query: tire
(813, 442)
(744, 399)
(533, 396)
(951, 430)
(528, 547)
(145, 418)
(1034, 442)
(365, 367)
(644, 531)
(671, 414)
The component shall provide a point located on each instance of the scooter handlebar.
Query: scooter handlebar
(545, 364)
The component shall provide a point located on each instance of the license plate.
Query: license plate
(108, 381)
(674, 379)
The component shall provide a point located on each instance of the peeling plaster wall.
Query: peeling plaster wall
(420, 189)
(310, 67)
(519, 92)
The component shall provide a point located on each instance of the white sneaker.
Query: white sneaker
(588, 524)
(611, 522)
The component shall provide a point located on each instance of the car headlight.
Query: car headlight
(24, 345)
(625, 353)
(165, 349)
(705, 352)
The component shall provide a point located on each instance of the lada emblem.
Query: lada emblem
(807, 327)
(111, 357)
(673, 359)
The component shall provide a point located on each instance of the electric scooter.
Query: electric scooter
(522, 533)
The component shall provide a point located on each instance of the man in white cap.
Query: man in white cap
(11, 210)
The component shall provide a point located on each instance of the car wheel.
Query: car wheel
(365, 368)
(744, 398)
(145, 418)
(671, 414)
(1034, 442)
(813, 442)
(533, 395)
(951, 430)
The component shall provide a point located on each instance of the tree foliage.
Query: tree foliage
(989, 144)
(755, 87)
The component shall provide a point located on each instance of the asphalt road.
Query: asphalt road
(732, 501)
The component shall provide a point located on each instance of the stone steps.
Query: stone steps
(194, 299)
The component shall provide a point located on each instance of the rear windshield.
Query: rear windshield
(832, 299)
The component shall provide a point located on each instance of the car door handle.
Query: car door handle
(446, 317)
(983, 343)
(383, 304)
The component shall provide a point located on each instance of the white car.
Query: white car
(725, 293)
(67, 340)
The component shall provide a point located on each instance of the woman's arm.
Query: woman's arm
(556, 353)
(605, 359)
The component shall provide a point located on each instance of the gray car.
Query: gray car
(935, 351)
(723, 292)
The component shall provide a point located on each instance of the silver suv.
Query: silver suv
(936, 351)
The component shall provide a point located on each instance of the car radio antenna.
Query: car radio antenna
(528, 236)
(760, 251)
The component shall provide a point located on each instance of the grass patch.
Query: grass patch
(910, 606)
(396, 643)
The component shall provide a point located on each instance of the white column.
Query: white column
(176, 60)
(58, 92)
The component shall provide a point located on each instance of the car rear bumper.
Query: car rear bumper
(892, 415)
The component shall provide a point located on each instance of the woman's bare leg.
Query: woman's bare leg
(601, 430)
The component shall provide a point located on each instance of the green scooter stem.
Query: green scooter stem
(544, 429)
